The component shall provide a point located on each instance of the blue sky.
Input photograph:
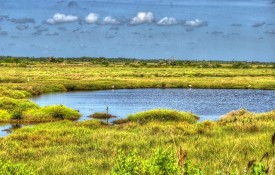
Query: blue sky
(183, 29)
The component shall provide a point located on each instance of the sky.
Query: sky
(146, 29)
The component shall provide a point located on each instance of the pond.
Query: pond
(207, 103)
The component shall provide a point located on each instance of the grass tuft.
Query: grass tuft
(161, 115)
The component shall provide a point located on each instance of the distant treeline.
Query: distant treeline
(138, 62)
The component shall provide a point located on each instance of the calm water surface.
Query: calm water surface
(207, 103)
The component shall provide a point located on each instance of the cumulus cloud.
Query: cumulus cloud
(61, 18)
(258, 24)
(110, 20)
(142, 17)
(195, 23)
(166, 21)
(92, 18)
(22, 20)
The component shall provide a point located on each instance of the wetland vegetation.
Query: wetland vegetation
(241, 142)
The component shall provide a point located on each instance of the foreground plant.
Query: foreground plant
(9, 168)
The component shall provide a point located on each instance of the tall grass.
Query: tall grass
(161, 115)
(70, 148)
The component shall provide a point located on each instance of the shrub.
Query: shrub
(8, 168)
(127, 164)
(162, 115)
(16, 114)
(161, 163)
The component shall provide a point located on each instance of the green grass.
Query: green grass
(91, 147)
(50, 113)
(12, 105)
(24, 111)
(69, 148)
(161, 115)
(45, 77)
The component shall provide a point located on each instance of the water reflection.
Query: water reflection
(6, 129)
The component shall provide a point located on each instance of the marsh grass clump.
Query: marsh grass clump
(244, 116)
(162, 115)
(13, 93)
(51, 113)
(102, 116)
(12, 109)
(11, 104)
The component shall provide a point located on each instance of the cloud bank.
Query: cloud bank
(61, 18)
(142, 17)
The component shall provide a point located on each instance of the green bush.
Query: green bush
(51, 113)
(162, 115)
(161, 163)
(127, 164)
(8, 168)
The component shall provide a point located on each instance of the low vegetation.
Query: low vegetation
(30, 113)
(94, 147)
(161, 115)
(144, 143)
(103, 116)
(9, 168)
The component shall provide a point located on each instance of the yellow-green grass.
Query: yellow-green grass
(161, 115)
(51, 77)
(71, 147)
(67, 147)
(25, 111)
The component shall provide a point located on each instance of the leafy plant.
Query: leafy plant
(9, 168)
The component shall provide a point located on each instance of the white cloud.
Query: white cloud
(61, 18)
(92, 18)
(110, 20)
(166, 21)
(195, 23)
(142, 17)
